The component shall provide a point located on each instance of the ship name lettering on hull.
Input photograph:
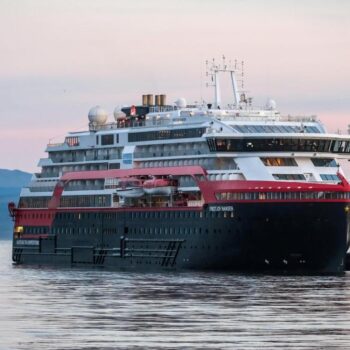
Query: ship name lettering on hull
(221, 208)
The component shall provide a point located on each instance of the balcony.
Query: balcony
(45, 162)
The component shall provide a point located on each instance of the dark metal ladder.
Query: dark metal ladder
(99, 256)
(168, 255)
(17, 253)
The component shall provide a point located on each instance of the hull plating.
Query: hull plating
(296, 237)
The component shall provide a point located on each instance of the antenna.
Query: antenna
(224, 66)
(213, 70)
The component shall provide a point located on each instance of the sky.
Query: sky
(60, 58)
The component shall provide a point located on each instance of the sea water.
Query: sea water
(70, 308)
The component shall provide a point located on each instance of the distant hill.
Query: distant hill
(13, 178)
(11, 182)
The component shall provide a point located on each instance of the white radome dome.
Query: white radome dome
(98, 115)
(118, 114)
(271, 104)
(181, 102)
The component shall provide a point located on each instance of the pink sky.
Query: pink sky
(59, 58)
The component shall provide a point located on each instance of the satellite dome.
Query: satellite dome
(118, 113)
(181, 103)
(98, 115)
(271, 104)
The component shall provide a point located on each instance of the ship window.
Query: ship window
(166, 134)
(324, 162)
(86, 201)
(296, 196)
(114, 165)
(279, 161)
(278, 145)
(246, 129)
(288, 176)
(107, 139)
(329, 177)
(72, 141)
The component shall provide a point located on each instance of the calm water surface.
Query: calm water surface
(46, 308)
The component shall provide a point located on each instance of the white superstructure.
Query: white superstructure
(237, 141)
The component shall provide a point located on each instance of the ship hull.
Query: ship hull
(309, 237)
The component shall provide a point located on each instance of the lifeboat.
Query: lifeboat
(160, 186)
(130, 188)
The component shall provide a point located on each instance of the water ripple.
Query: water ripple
(48, 308)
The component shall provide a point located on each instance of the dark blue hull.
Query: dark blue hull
(293, 237)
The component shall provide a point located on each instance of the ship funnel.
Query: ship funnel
(162, 100)
(144, 100)
(150, 100)
(157, 98)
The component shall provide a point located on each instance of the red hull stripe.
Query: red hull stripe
(209, 188)
(271, 186)
(34, 217)
(230, 201)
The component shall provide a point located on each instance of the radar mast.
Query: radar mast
(212, 72)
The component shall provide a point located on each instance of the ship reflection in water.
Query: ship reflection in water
(44, 308)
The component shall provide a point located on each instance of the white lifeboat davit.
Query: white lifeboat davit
(130, 188)
(160, 186)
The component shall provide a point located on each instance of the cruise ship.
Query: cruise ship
(174, 186)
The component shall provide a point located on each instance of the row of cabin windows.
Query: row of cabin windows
(324, 162)
(166, 134)
(132, 230)
(67, 201)
(329, 177)
(132, 215)
(279, 161)
(325, 177)
(86, 201)
(78, 230)
(143, 215)
(35, 230)
(276, 129)
(34, 202)
(175, 230)
(317, 162)
(57, 171)
(72, 141)
(289, 176)
(278, 145)
(34, 215)
(224, 196)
